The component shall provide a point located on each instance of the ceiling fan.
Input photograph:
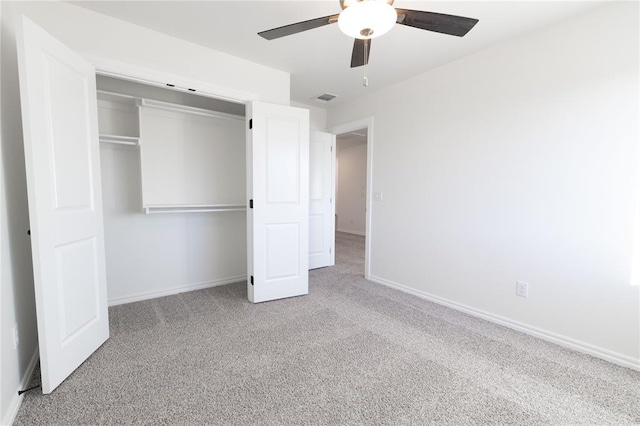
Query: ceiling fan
(367, 19)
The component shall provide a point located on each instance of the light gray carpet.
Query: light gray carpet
(351, 352)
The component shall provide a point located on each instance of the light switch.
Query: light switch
(377, 195)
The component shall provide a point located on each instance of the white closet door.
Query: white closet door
(321, 194)
(59, 113)
(278, 189)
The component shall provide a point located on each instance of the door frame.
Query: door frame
(352, 126)
(126, 71)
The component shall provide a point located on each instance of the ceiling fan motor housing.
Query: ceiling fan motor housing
(366, 19)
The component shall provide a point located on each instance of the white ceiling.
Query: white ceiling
(318, 60)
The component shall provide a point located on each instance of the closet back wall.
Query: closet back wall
(351, 201)
(156, 254)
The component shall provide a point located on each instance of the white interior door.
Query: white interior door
(59, 113)
(322, 159)
(278, 198)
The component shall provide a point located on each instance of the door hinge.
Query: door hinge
(251, 279)
(250, 123)
(250, 204)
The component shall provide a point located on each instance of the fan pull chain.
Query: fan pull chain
(365, 79)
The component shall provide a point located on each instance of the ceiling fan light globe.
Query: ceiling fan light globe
(367, 19)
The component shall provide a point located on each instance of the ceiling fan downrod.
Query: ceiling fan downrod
(365, 79)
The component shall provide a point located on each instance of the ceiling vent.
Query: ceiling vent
(325, 97)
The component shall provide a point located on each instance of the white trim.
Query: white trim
(351, 231)
(16, 401)
(635, 249)
(351, 127)
(168, 292)
(567, 342)
(123, 70)
(334, 173)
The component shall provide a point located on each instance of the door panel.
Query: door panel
(278, 185)
(59, 112)
(75, 286)
(321, 196)
(283, 251)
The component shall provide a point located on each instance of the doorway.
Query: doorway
(351, 182)
(354, 147)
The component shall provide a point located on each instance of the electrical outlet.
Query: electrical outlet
(16, 337)
(522, 289)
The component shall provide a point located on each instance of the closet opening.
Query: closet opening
(357, 136)
(173, 168)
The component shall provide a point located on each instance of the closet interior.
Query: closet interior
(173, 170)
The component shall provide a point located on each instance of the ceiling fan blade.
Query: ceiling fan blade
(437, 22)
(298, 27)
(360, 54)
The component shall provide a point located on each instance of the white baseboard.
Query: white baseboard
(168, 292)
(351, 231)
(567, 342)
(16, 401)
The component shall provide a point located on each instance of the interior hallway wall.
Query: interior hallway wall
(351, 188)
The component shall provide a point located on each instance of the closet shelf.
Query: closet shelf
(120, 140)
(104, 95)
(204, 208)
(188, 109)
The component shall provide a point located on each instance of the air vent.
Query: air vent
(325, 97)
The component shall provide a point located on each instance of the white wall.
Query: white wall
(98, 36)
(351, 184)
(517, 163)
(16, 277)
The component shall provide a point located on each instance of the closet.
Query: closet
(173, 209)
(174, 184)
